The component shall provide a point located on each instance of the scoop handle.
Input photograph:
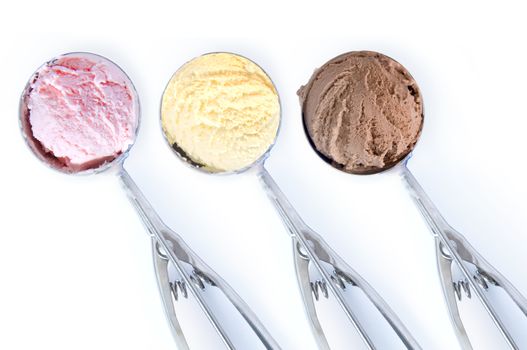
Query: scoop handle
(179, 254)
(318, 252)
(459, 251)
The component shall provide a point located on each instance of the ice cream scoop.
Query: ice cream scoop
(363, 113)
(221, 113)
(79, 113)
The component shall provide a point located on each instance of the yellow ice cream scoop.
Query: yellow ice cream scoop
(221, 112)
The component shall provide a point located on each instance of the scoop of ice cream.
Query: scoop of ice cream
(221, 111)
(362, 111)
(82, 111)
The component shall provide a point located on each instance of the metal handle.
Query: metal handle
(314, 250)
(174, 250)
(451, 246)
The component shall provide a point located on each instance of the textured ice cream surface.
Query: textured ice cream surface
(221, 112)
(80, 111)
(362, 111)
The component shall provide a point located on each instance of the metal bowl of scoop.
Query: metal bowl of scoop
(362, 112)
(53, 91)
(212, 141)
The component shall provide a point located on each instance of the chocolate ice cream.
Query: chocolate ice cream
(362, 111)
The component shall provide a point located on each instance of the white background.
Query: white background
(75, 263)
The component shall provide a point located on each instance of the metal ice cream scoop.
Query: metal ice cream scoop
(310, 249)
(194, 276)
(452, 249)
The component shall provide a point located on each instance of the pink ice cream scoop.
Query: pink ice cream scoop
(79, 111)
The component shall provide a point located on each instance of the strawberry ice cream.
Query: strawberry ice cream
(80, 111)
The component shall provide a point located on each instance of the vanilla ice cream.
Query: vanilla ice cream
(221, 111)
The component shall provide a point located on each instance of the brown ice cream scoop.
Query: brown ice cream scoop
(362, 111)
